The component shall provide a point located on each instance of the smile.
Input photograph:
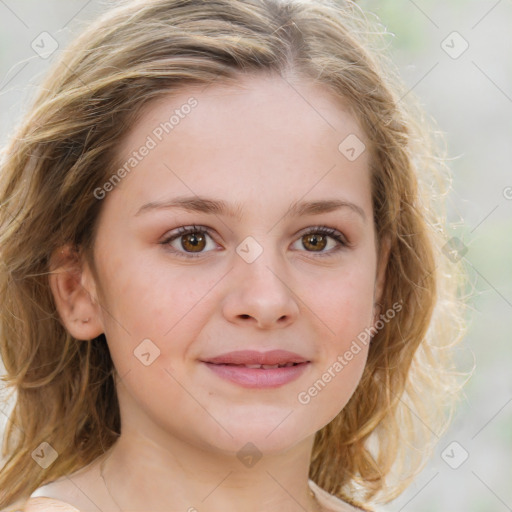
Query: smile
(258, 375)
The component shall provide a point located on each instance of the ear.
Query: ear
(74, 292)
(382, 264)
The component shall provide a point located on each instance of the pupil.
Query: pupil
(193, 241)
(317, 241)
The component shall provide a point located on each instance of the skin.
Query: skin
(261, 144)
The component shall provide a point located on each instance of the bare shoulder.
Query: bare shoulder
(52, 497)
(45, 504)
(80, 491)
(60, 490)
(40, 504)
(331, 503)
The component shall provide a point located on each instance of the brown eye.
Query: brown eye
(193, 242)
(314, 241)
(190, 241)
(321, 240)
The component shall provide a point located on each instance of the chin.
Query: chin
(269, 434)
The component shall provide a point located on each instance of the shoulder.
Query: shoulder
(77, 492)
(41, 504)
(52, 497)
(56, 496)
(44, 504)
(332, 503)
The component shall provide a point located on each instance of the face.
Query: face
(244, 226)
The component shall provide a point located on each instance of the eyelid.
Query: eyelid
(182, 231)
(328, 231)
(333, 233)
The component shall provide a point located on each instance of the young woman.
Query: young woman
(220, 266)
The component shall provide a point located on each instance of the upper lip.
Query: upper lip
(271, 357)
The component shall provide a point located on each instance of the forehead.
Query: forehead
(265, 137)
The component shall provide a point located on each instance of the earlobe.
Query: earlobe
(78, 309)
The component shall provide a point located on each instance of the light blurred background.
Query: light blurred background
(456, 57)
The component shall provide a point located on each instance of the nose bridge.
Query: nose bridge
(260, 263)
(261, 291)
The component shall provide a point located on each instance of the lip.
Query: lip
(255, 357)
(258, 377)
(224, 366)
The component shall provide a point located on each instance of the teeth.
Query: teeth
(264, 366)
(268, 366)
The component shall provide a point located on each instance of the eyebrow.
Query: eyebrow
(219, 207)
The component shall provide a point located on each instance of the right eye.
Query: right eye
(189, 241)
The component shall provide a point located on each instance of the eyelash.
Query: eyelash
(322, 230)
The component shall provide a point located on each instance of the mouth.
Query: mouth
(258, 366)
(254, 358)
(252, 369)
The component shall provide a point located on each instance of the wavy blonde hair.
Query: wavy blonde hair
(65, 148)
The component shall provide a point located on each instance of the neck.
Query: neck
(140, 475)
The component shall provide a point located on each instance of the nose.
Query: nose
(261, 294)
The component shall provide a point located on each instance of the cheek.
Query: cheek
(163, 303)
(346, 303)
(345, 311)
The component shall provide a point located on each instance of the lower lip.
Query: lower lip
(258, 377)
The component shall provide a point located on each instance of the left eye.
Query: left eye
(317, 241)
(193, 241)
